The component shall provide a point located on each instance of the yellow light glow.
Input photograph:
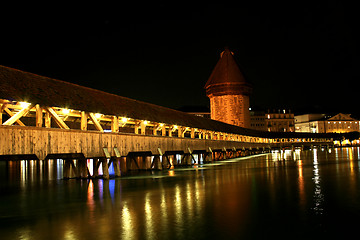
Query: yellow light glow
(98, 115)
(24, 104)
(65, 111)
(175, 126)
(161, 125)
(124, 119)
(145, 122)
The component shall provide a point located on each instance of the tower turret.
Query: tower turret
(229, 92)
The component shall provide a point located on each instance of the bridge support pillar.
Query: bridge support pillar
(78, 172)
(208, 157)
(67, 169)
(147, 162)
(123, 166)
(156, 163)
(165, 162)
(105, 168)
(116, 165)
(96, 165)
(81, 168)
(186, 159)
(216, 156)
(224, 155)
(128, 160)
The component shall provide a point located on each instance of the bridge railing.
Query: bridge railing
(29, 114)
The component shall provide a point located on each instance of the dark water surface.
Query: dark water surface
(309, 195)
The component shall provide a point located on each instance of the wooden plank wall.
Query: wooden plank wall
(43, 141)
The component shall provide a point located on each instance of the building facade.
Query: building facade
(275, 121)
(321, 123)
(257, 120)
(280, 121)
(229, 92)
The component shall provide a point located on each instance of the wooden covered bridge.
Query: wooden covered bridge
(43, 118)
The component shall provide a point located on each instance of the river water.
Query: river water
(291, 195)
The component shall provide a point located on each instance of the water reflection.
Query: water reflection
(126, 223)
(32, 170)
(228, 200)
(318, 196)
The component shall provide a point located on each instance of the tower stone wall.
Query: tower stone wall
(231, 109)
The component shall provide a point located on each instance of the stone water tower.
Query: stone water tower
(229, 92)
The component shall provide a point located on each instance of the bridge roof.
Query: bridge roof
(17, 85)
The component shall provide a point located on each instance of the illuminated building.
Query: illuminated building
(320, 123)
(257, 120)
(276, 121)
(281, 121)
(229, 92)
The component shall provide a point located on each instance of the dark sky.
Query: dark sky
(302, 55)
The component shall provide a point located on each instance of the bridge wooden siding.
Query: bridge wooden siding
(18, 140)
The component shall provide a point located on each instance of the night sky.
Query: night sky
(302, 55)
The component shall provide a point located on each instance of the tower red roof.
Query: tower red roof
(226, 78)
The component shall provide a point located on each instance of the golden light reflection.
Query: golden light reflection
(23, 171)
(189, 201)
(149, 218)
(25, 233)
(351, 167)
(300, 168)
(69, 235)
(197, 197)
(90, 196)
(163, 209)
(178, 206)
(301, 182)
(126, 220)
(351, 154)
(351, 162)
(318, 196)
